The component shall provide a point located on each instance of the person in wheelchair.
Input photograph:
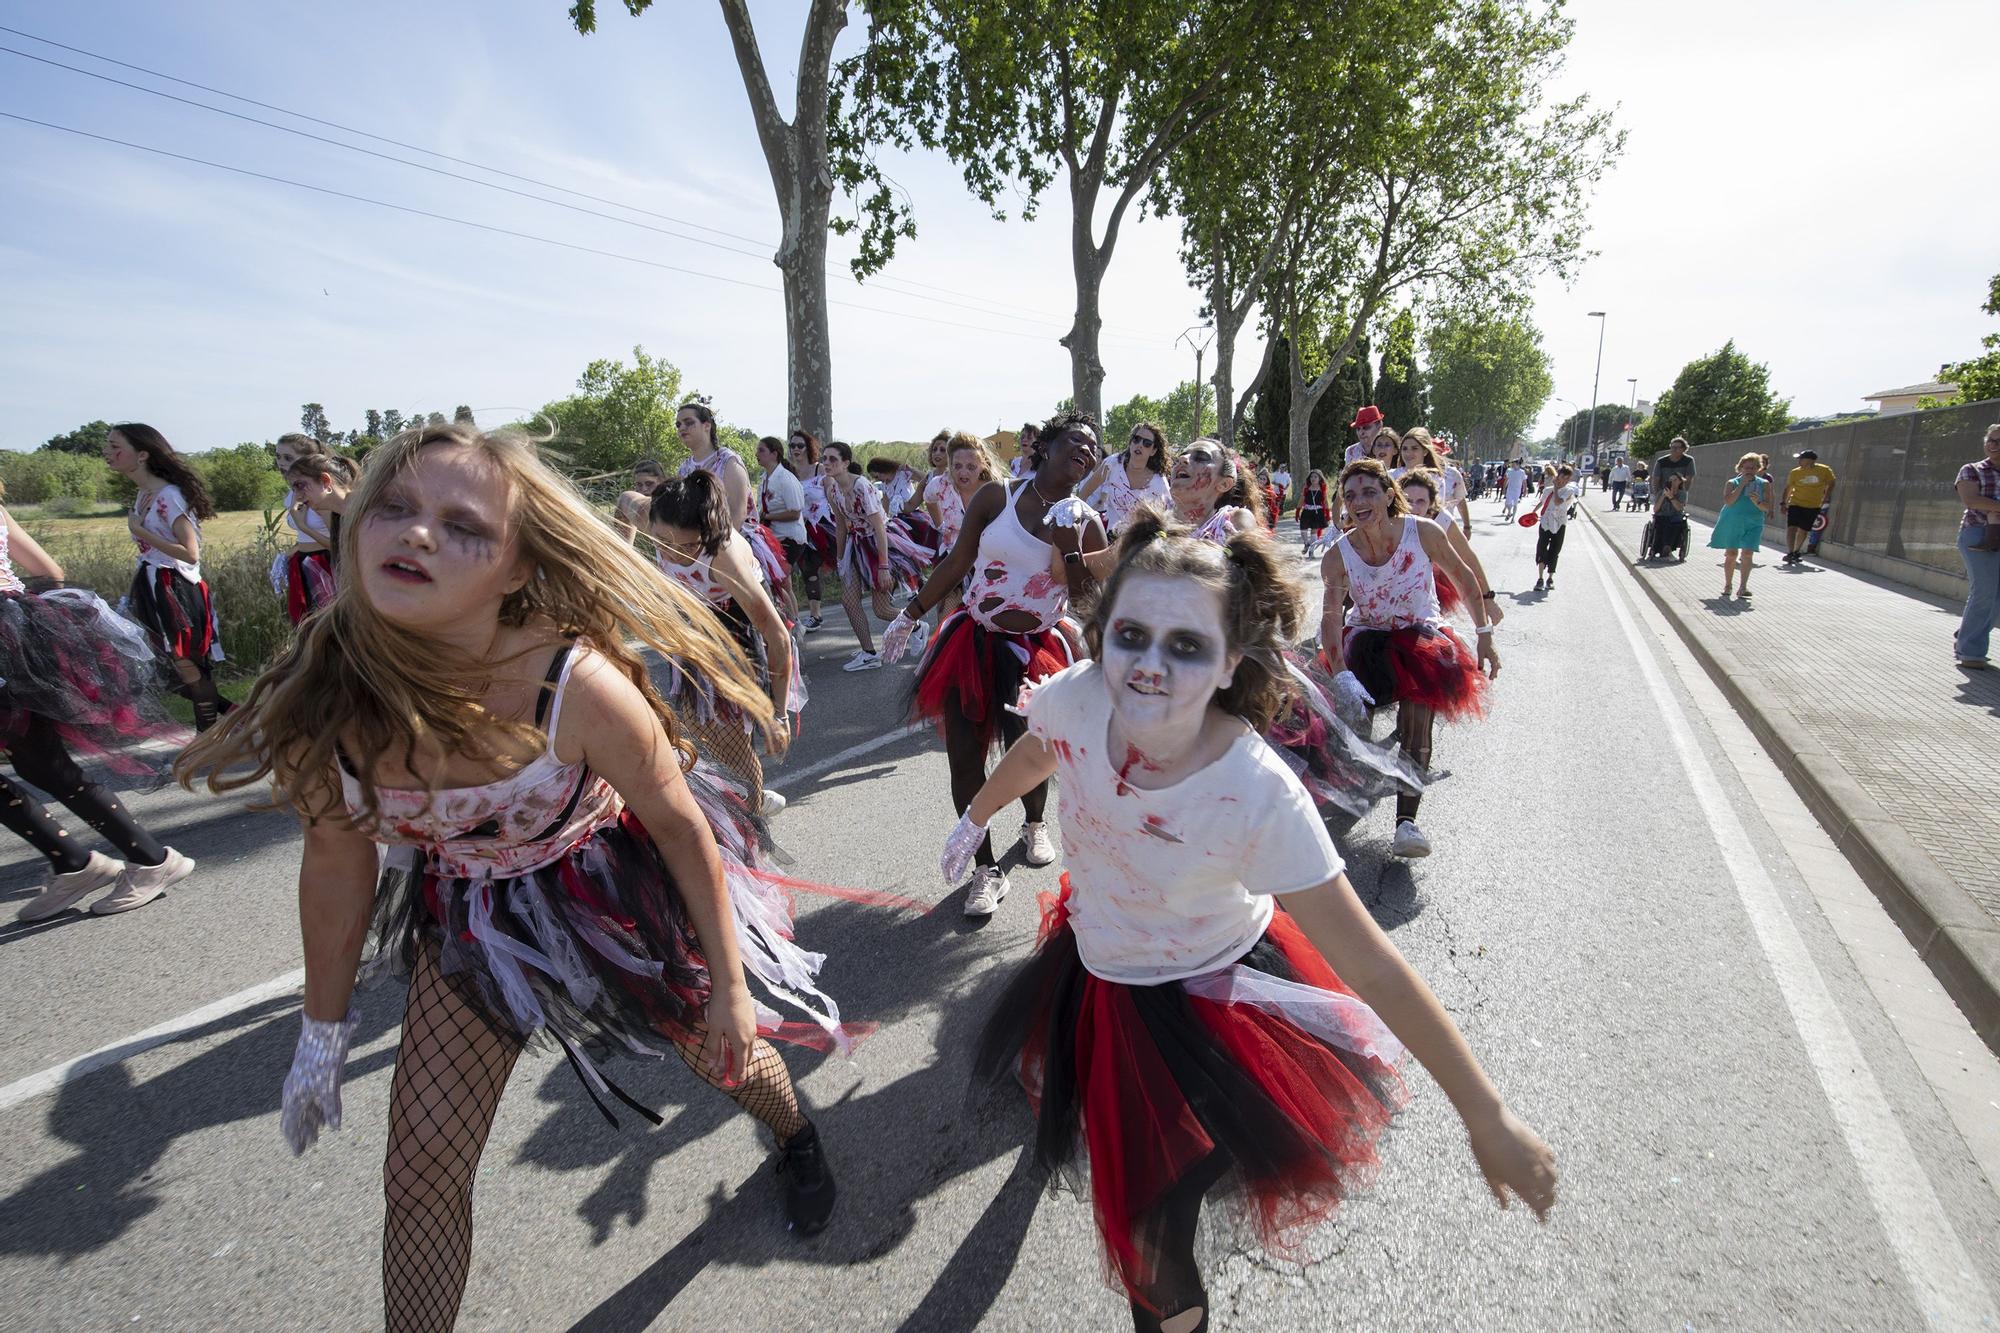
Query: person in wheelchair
(1667, 532)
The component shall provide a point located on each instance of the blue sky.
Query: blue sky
(1796, 180)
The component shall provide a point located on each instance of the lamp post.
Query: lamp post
(1632, 412)
(1597, 315)
(1200, 394)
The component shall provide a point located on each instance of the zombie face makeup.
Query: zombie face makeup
(1200, 473)
(1419, 500)
(964, 468)
(119, 455)
(310, 490)
(436, 546)
(1365, 499)
(1165, 655)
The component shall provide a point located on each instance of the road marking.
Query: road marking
(50, 1079)
(1940, 1273)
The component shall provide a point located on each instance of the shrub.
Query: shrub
(241, 478)
(50, 474)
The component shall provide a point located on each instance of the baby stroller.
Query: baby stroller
(1664, 535)
(1640, 494)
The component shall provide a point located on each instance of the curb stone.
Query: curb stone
(1956, 939)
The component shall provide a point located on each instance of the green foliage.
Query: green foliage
(1331, 427)
(1979, 378)
(618, 415)
(1267, 425)
(313, 422)
(1189, 412)
(88, 438)
(1725, 396)
(1489, 380)
(1399, 389)
(462, 415)
(1119, 421)
(54, 474)
(1575, 435)
(241, 478)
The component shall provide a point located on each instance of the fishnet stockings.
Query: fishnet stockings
(450, 1071)
(728, 744)
(766, 1090)
(850, 602)
(1414, 723)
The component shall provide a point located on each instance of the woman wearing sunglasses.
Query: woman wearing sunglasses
(1127, 479)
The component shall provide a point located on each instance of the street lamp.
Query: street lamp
(1597, 315)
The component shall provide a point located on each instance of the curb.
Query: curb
(1954, 936)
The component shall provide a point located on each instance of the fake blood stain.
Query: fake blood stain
(1133, 760)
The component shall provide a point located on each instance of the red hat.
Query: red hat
(1367, 416)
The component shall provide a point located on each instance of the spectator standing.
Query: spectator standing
(1282, 479)
(1621, 477)
(1979, 547)
(1517, 481)
(1808, 490)
(1739, 527)
(1367, 425)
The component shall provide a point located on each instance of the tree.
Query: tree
(1015, 90)
(375, 424)
(88, 438)
(462, 415)
(392, 425)
(798, 154)
(1399, 389)
(1188, 412)
(241, 478)
(1119, 422)
(1488, 381)
(1469, 188)
(1581, 434)
(313, 422)
(1979, 378)
(435, 419)
(1724, 396)
(619, 415)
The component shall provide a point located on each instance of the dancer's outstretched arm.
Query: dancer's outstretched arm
(1510, 1155)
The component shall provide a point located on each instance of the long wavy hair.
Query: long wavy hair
(965, 441)
(1162, 446)
(168, 466)
(1263, 609)
(355, 686)
(1372, 467)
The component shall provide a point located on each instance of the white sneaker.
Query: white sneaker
(62, 891)
(139, 885)
(989, 886)
(1410, 840)
(863, 662)
(1041, 848)
(774, 803)
(808, 623)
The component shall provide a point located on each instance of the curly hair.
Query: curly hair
(1263, 609)
(1426, 479)
(355, 684)
(1051, 430)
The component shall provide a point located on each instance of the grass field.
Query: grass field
(223, 532)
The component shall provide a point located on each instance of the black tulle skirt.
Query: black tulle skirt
(177, 612)
(68, 658)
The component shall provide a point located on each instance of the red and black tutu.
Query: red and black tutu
(1336, 765)
(770, 554)
(68, 658)
(1427, 664)
(822, 539)
(309, 583)
(974, 670)
(177, 612)
(1449, 598)
(1266, 1082)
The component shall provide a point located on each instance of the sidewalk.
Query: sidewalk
(1851, 686)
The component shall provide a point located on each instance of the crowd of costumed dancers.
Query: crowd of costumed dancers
(501, 805)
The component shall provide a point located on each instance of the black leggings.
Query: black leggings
(1549, 547)
(805, 558)
(40, 757)
(1166, 1234)
(965, 751)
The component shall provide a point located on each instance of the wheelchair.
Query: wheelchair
(1664, 535)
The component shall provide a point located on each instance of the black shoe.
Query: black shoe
(809, 1190)
(1538, 585)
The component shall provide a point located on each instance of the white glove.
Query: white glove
(896, 639)
(312, 1089)
(1350, 696)
(959, 847)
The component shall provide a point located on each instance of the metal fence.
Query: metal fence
(1894, 496)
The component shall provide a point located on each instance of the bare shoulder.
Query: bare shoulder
(600, 703)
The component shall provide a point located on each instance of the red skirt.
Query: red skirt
(973, 670)
(1421, 664)
(175, 612)
(1150, 1086)
(309, 582)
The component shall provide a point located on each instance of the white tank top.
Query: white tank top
(1401, 591)
(1013, 570)
(698, 578)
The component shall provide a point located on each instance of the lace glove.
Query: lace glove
(897, 639)
(1350, 696)
(312, 1089)
(959, 847)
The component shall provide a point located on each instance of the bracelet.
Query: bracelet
(1483, 630)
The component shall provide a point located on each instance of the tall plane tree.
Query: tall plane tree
(796, 153)
(1014, 91)
(1470, 187)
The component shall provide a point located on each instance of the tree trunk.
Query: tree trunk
(1299, 439)
(1226, 325)
(795, 153)
(1086, 367)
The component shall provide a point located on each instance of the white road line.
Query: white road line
(1948, 1292)
(48, 1080)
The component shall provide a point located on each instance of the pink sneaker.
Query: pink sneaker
(139, 885)
(63, 891)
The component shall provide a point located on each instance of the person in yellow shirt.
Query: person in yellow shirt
(1808, 491)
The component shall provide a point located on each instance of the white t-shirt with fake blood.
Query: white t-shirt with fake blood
(1171, 883)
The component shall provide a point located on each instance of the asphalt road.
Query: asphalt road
(1616, 914)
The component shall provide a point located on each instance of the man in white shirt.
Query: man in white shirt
(1282, 479)
(1367, 424)
(1621, 477)
(1516, 482)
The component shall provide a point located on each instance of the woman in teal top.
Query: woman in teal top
(1739, 528)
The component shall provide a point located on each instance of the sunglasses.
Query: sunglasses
(1141, 437)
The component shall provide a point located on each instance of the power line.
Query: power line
(497, 230)
(881, 283)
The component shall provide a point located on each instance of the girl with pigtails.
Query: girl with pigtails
(1178, 1036)
(699, 550)
(472, 713)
